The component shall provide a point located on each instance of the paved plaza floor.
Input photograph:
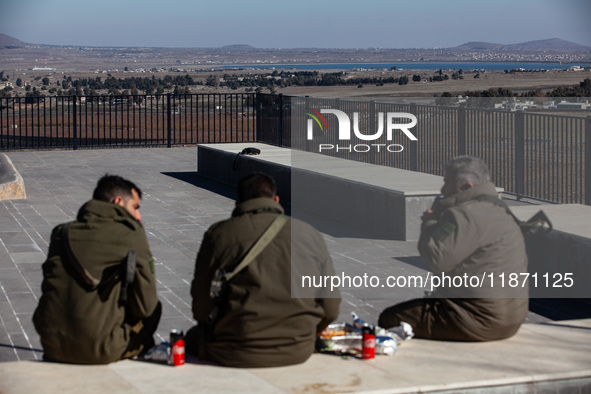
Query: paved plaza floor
(177, 208)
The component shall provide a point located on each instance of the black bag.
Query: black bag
(246, 151)
(538, 224)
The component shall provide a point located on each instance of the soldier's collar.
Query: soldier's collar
(257, 205)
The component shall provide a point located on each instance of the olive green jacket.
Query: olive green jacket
(260, 324)
(475, 242)
(78, 324)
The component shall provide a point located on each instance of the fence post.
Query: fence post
(588, 160)
(306, 141)
(169, 119)
(372, 127)
(414, 145)
(519, 154)
(74, 123)
(462, 131)
(337, 105)
(257, 113)
(280, 119)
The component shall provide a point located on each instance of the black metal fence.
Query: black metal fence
(123, 121)
(545, 157)
(531, 155)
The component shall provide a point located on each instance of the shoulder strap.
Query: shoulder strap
(220, 278)
(499, 202)
(259, 245)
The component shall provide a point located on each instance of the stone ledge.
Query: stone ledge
(12, 185)
(539, 358)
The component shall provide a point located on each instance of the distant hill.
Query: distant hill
(237, 47)
(479, 46)
(10, 42)
(552, 44)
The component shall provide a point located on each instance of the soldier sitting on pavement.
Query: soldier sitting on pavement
(99, 302)
(466, 236)
(257, 320)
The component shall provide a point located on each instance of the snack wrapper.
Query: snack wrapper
(346, 339)
(159, 353)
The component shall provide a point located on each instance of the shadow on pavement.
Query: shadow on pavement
(3, 345)
(415, 261)
(561, 308)
(196, 180)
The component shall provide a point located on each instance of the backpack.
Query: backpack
(539, 224)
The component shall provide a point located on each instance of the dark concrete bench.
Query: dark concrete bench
(335, 195)
(565, 250)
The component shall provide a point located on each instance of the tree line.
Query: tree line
(583, 89)
(181, 84)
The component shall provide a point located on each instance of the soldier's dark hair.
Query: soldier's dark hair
(256, 185)
(465, 169)
(111, 186)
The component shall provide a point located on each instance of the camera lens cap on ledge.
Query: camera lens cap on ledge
(250, 151)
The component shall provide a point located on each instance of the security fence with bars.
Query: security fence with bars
(532, 155)
(125, 121)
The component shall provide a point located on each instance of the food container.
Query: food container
(339, 338)
(347, 339)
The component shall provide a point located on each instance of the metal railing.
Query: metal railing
(545, 157)
(123, 121)
(531, 155)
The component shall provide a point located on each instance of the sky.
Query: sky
(294, 24)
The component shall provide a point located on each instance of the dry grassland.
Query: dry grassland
(517, 82)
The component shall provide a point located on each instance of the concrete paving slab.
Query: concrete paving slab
(60, 378)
